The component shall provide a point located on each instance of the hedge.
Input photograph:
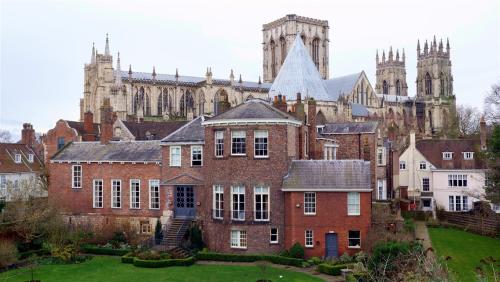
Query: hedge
(163, 263)
(95, 250)
(249, 258)
(128, 258)
(25, 255)
(334, 270)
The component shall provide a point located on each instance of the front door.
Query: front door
(331, 247)
(184, 202)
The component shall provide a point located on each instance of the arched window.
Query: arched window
(159, 103)
(283, 49)
(273, 59)
(315, 52)
(428, 84)
(362, 93)
(147, 103)
(221, 101)
(135, 103)
(398, 87)
(430, 122)
(187, 103)
(385, 88)
(303, 37)
(442, 84)
(201, 104)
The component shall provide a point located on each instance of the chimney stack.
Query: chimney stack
(280, 102)
(28, 135)
(106, 121)
(88, 126)
(483, 133)
(312, 131)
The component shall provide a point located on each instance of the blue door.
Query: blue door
(331, 247)
(184, 202)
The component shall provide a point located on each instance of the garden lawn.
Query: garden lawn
(465, 249)
(104, 268)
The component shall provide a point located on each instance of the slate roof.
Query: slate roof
(184, 80)
(328, 175)
(340, 86)
(359, 110)
(350, 127)
(78, 126)
(299, 74)
(126, 151)
(157, 130)
(7, 159)
(255, 109)
(190, 132)
(432, 150)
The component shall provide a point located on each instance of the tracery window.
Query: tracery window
(315, 52)
(385, 88)
(428, 84)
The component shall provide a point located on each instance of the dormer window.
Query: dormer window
(447, 155)
(319, 129)
(30, 158)
(17, 158)
(468, 155)
(423, 165)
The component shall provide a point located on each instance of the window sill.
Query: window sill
(155, 209)
(354, 247)
(273, 243)
(98, 207)
(261, 220)
(238, 220)
(116, 208)
(238, 155)
(309, 247)
(239, 248)
(134, 208)
(353, 214)
(310, 214)
(261, 157)
(76, 188)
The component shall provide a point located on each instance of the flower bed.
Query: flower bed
(249, 258)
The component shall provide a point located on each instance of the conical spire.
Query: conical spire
(106, 49)
(118, 71)
(92, 58)
(397, 55)
(404, 56)
(154, 72)
(376, 57)
(240, 80)
(260, 82)
(447, 46)
(176, 73)
(390, 54)
(441, 46)
(426, 48)
(231, 76)
(418, 47)
(434, 42)
(130, 72)
(383, 56)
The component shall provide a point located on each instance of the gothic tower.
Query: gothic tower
(435, 99)
(279, 35)
(391, 74)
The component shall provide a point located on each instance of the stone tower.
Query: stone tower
(435, 100)
(279, 35)
(391, 74)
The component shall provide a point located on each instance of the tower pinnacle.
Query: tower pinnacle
(118, 71)
(106, 49)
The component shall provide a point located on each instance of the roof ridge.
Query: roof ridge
(180, 128)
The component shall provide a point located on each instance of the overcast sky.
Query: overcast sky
(44, 44)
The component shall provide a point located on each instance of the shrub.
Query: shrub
(158, 232)
(249, 258)
(8, 253)
(284, 260)
(360, 257)
(196, 238)
(409, 225)
(163, 263)
(345, 258)
(315, 260)
(128, 258)
(92, 249)
(334, 270)
(41, 252)
(64, 253)
(386, 253)
(297, 251)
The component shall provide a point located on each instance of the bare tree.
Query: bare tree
(492, 104)
(5, 136)
(468, 120)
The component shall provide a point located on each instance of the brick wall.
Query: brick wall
(60, 130)
(331, 216)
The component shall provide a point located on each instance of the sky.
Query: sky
(45, 44)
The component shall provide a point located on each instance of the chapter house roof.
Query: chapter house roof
(342, 85)
(252, 111)
(432, 150)
(299, 74)
(7, 159)
(328, 176)
(115, 151)
(191, 132)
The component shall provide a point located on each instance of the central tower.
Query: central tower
(279, 35)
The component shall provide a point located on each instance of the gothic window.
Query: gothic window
(187, 103)
(442, 84)
(201, 104)
(159, 103)
(398, 87)
(362, 93)
(221, 102)
(430, 122)
(166, 101)
(273, 59)
(147, 104)
(315, 52)
(428, 84)
(303, 37)
(385, 88)
(283, 49)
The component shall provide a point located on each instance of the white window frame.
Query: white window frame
(261, 134)
(218, 202)
(353, 203)
(309, 206)
(219, 144)
(76, 178)
(447, 155)
(97, 195)
(402, 165)
(154, 184)
(116, 193)
(239, 239)
(353, 238)
(271, 241)
(327, 148)
(381, 156)
(468, 155)
(17, 158)
(309, 238)
(460, 179)
(238, 132)
(455, 201)
(428, 184)
(241, 213)
(193, 149)
(382, 183)
(176, 162)
(31, 158)
(261, 191)
(423, 165)
(3, 182)
(132, 196)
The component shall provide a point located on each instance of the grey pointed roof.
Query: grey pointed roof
(359, 110)
(192, 132)
(349, 127)
(299, 74)
(340, 86)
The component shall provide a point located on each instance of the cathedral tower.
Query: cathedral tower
(434, 86)
(279, 35)
(391, 74)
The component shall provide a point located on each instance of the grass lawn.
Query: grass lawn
(110, 269)
(465, 249)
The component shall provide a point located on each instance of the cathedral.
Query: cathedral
(295, 60)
